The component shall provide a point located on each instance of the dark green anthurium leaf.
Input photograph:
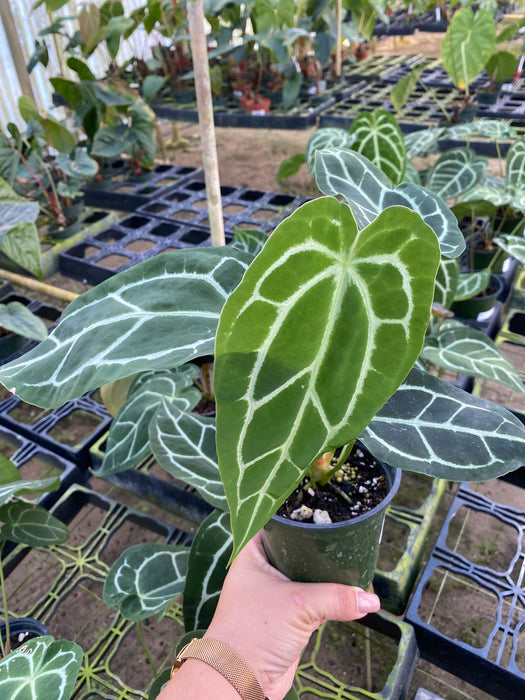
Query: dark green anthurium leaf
(152, 84)
(404, 88)
(432, 427)
(13, 486)
(33, 525)
(467, 45)
(379, 138)
(184, 445)
(412, 174)
(22, 245)
(512, 245)
(41, 668)
(17, 318)
(249, 240)
(470, 284)
(207, 567)
(314, 299)
(446, 282)
(419, 143)
(456, 171)
(290, 166)
(328, 137)
(159, 683)
(469, 351)
(515, 163)
(368, 191)
(479, 197)
(128, 439)
(14, 209)
(80, 166)
(159, 314)
(145, 579)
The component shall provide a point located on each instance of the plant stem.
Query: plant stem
(345, 451)
(7, 646)
(140, 633)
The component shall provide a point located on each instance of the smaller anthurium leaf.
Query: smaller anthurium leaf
(145, 579)
(159, 683)
(8, 471)
(515, 163)
(496, 196)
(469, 351)
(456, 171)
(315, 297)
(517, 194)
(9, 489)
(17, 318)
(470, 284)
(434, 212)
(353, 176)
(184, 445)
(379, 138)
(495, 129)
(419, 143)
(159, 314)
(33, 525)
(81, 165)
(446, 282)
(433, 427)
(290, 166)
(404, 88)
(151, 85)
(21, 244)
(128, 439)
(322, 139)
(41, 668)
(14, 209)
(114, 394)
(412, 174)
(467, 45)
(207, 566)
(512, 245)
(250, 241)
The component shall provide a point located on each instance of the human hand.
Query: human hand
(268, 619)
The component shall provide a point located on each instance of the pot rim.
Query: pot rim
(395, 481)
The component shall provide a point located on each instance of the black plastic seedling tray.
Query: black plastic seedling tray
(433, 74)
(126, 243)
(241, 207)
(375, 67)
(230, 114)
(123, 191)
(490, 654)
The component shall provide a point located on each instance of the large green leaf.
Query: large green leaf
(184, 445)
(469, 351)
(467, 45)
(470, 284)
(207, 567)
(128, 439)
(456, 171)
(432, 427)
(379, 138)
(145, 579)
(159, 314)
(32, 525)
(17, 318)
(512, 245)
(368, 191)
(323, 328)
(515, 163)
(41, 668)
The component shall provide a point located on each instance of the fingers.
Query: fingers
(335, 601)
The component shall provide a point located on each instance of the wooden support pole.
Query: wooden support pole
(339, 40)
(36, 286)
(19, 60)
(199, 50)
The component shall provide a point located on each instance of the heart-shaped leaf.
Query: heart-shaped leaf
(250, 241)
(512, 245)
(32, 525)
(159, 314)
(467, 45)
(320, 296)
(446, 282)
(41, 668)
(184, 445)
(419, 143)
(515, 163)
(128, 439)
(328, 137)
(17, 318)
(455, 172)
(470, 284)
(432, 427)
(466, 350)
(207, 566)
(379, 138)
(145, 579)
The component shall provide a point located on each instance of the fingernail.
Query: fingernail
(367, 602)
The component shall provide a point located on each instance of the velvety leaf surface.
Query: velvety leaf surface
(432, 427)
(325, 325)
(327, 137)
(44, 669)
(17, 318)
(207, 567)
(8, 490)
(467, 45)
(446, 282)
(184, 445)
(32, 525)
(145, 579)
(515, 163)
(471, 284)
(418, 143)
(159, 314)
(456, 171)
(513, 245)
(250, 241)
(467, 350)
(379, 138)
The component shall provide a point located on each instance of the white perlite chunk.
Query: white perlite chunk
(302, 513)
(321, 517)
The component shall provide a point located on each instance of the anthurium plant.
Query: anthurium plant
(316, 332)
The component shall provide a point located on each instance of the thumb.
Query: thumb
(335, 601)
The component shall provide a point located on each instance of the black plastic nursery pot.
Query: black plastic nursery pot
(22, 629)
(343, 552)
(471, 308)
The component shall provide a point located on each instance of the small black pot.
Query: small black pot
(471, 308)
(22, 629)
(343, 552)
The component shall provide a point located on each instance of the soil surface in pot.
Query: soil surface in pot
(356, 488)
(18, 639)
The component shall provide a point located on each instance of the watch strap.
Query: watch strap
(224, 660)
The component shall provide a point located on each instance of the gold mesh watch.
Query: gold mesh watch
(224, 660)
